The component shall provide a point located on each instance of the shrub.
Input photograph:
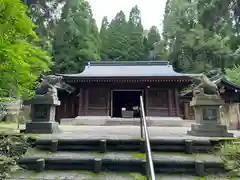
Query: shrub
(230, 154)
(12, 148)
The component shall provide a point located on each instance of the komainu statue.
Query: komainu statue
(50, 84)
(202, 84)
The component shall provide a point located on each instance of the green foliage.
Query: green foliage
(230, 154)
(12, 147)
(135, 35)
(117, 44)
(200, 35)
(234, 74)
(77, 40)
(21, 62)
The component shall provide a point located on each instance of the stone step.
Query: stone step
(122, 162)
(100, 145)
(88, 175)
(108, 121)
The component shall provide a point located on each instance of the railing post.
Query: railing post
(150, 174)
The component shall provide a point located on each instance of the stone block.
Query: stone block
(142, 146)
(54, 146)
(40, 165)
(189, 146)
(144, 165)
(202, 130)
(103, 146)
(42, 127)
(97, 165)
(200, 170)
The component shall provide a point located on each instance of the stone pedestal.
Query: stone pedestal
(43, 109)
(207, 116)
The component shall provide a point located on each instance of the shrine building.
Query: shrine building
(107, 88)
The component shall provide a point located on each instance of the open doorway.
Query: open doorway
(128, 99)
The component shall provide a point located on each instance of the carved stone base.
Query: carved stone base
(42, 127)
(209, 130)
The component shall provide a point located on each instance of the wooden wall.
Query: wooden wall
(96, 101)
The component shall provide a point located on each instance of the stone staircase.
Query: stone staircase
(171, 156)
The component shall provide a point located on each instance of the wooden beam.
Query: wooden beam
(170, 103)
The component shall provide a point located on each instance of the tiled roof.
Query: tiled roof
(127, 69)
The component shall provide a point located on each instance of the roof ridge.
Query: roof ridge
(128, 63)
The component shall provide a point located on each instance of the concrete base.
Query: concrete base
(209, 130)
(42, 127)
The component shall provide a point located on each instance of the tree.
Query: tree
(135, 35)
(44, 14)
(234, 74)
(104, 38)
(77, 39)
(21, 61)
(118, 38)
(152, 45)
(198, 34)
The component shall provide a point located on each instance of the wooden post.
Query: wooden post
(186, 110)
(146, 101)
(86, 102)
(177, 102)
(170, 103)
(108, 102)
(80, 106)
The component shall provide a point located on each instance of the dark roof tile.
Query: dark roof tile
(127, 69)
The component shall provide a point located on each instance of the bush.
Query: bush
(12, 148)
(230, 154)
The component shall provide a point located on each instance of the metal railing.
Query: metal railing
(145, 136)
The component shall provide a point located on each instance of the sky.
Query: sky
(152, 11)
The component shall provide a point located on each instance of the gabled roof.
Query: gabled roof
(108, 69)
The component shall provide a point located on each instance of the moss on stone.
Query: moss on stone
(138, 176)
(35, 151)
(138, 155)
(98, 155)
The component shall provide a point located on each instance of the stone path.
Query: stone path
(117, 132)
(69, 175)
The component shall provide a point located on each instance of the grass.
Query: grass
(138, 155)
(216, 178)
(34, 151)
(11, 128)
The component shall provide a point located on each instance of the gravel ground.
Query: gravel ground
(117, 132)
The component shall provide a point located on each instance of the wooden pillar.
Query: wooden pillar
(186, 110)
(146, 101)
(86, 102)
(80, 101)
(108, 102)
(177, 102)
(170, 103)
